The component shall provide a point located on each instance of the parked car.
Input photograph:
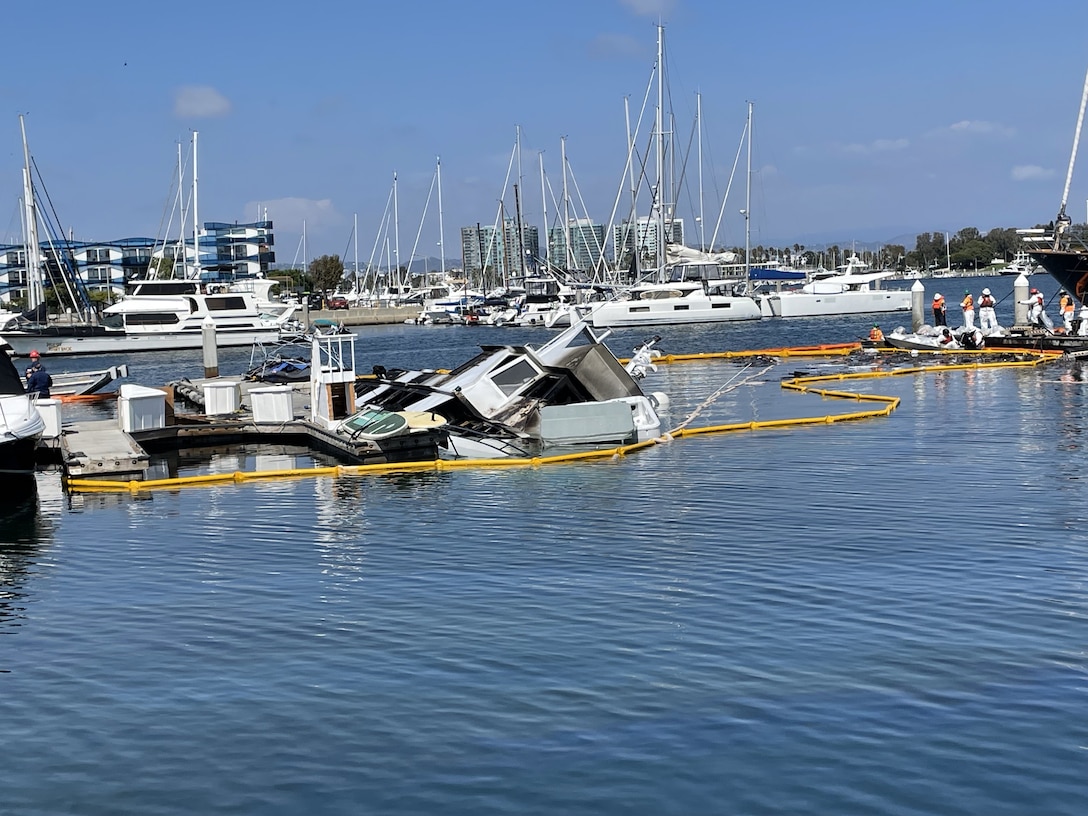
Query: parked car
(336, 302)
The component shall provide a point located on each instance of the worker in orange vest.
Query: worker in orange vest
(940, 311)
(875, 334)
(968, 306)
(1066, 306)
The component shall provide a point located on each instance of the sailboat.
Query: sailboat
(1066, 259)
(33, 325)
(155, 314)
(688, 291)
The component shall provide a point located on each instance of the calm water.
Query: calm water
(877, 617)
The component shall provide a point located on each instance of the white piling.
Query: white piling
(1020, 296)
(917, 305)
(211, 350)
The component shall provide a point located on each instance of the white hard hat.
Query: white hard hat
(936, 295)
(985, 291)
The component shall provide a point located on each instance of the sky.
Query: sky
(872, 121)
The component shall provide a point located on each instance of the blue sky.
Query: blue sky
(873, 121)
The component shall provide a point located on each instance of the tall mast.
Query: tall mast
(748, 204)
(196, 214)
(441, 234)
(35, 295)
(355, 234)
(181, 220)
(396, 232)
(630, 235)
(520, 241)
(544, 201)
(566, 205)
(517, 208)
(660, 127)
(699, 125)
(1063, 220)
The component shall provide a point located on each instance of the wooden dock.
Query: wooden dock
(101, 448)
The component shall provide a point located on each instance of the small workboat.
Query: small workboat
(928, 338)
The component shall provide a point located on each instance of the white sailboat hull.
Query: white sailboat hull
(672, 311)
(803, 304)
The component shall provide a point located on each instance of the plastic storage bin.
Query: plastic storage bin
(51, 413)
(141, 408)
(221, 397)
(272, 403)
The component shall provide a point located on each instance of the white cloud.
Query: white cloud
(289, 213)
(200, 101)
(649, 8)
(1030, 172)
(981, 128)
(878, 146)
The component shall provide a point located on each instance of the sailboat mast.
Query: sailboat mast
(355, 234)
(699, 125)
(544, 202)
(396, 233)
(35, 295)
(566, 205)
(180, 246)
(1063, 220)
(441, 233)
(660, 126)
(196, 214)
(517, 208)
(748, 204)
(630, 234)
(521, 241)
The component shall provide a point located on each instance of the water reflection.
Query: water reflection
(22, 532)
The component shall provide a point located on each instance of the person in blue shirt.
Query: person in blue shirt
(37, 378)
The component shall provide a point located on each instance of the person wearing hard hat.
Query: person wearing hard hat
(37, 378)
(968, 306)
(875, 334)
(987, 314)
(940, 311)
(1037, 315)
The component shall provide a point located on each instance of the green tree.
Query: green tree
(975, 254)
(1005, 242)
(162, 267)
(326, 272)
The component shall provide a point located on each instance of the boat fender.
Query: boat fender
(659, 399)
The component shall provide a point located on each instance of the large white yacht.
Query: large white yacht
(168, 314)
(853, 289)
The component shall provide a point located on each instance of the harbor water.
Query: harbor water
(884, 616)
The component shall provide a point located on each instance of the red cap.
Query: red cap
(34, 353)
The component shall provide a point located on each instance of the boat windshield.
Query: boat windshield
(695, 272)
